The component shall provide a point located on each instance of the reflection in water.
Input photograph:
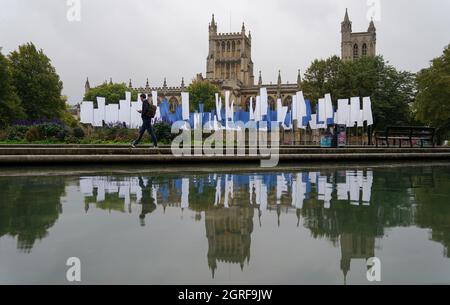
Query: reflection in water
(29, 206)
(350, 208)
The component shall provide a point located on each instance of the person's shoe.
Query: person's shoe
(133, 145)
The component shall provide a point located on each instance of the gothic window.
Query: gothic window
(228, 46)
(223, 46)
(364, 50)
(173, 103)
(247, 104)
(355, 51)
(272, 103)
(233, 47)
(218, 47)
(288, 102)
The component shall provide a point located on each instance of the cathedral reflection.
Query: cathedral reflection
(229, 235)
(350, 208)
(338, 205)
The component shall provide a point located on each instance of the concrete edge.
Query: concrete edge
(169, 159)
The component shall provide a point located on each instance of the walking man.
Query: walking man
(147, 113)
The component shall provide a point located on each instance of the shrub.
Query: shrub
(51, 130)
(33, 134)
(163, 131)
(3, 135)
(17, 132)
(78, 132)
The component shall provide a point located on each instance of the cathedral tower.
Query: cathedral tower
(229, 56)
(357, 44)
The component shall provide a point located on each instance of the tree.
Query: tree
(113, 93)
(202, 92)
(37, 83)
(10, 106)
(391, 91)
(432, 104)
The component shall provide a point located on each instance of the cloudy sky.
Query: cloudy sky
(153, 39)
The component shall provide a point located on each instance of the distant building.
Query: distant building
(356, 45)
(229, 65)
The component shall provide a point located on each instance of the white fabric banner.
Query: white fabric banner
(185, 105)
(87, 112)
(322, 110)
(313, 122)
(125, 112)
(367, 110)
(112, 113)
(264, 102)
(98, 117)
(154, 98)
(218, 107)
(342, 112)
(328, 107)
(258, 116)
(135, 116)
(252, 113)
(355, 112)
(301, 108)
(294, 108)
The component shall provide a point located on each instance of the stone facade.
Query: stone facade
(357, 45)
(229, 65)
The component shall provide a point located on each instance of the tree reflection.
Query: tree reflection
(29, 207)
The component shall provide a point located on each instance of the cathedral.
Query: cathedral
(229, 65)
(357, 45)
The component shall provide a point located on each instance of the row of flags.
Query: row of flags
(353, 186)
(348, 112)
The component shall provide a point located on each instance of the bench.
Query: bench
(404, 133)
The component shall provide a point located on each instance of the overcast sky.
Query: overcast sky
(137, 39)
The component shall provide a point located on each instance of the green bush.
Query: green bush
(163, 132)
(51, 130)
(33, 134)
(3, 135)
(17, 132)
(78, 132)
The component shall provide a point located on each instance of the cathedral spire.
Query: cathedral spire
(372, 28)
(110, 81)
(243, 28)
(213, 25)
(260, 79)
(279, 78)
(346, 18)
(165, 83)
(87, 86)
(130, 85)
(147, 85)
(346, 25)
(299, 80)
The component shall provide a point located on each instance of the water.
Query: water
(221, 226)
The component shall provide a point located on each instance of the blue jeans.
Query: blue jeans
(146, 126)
